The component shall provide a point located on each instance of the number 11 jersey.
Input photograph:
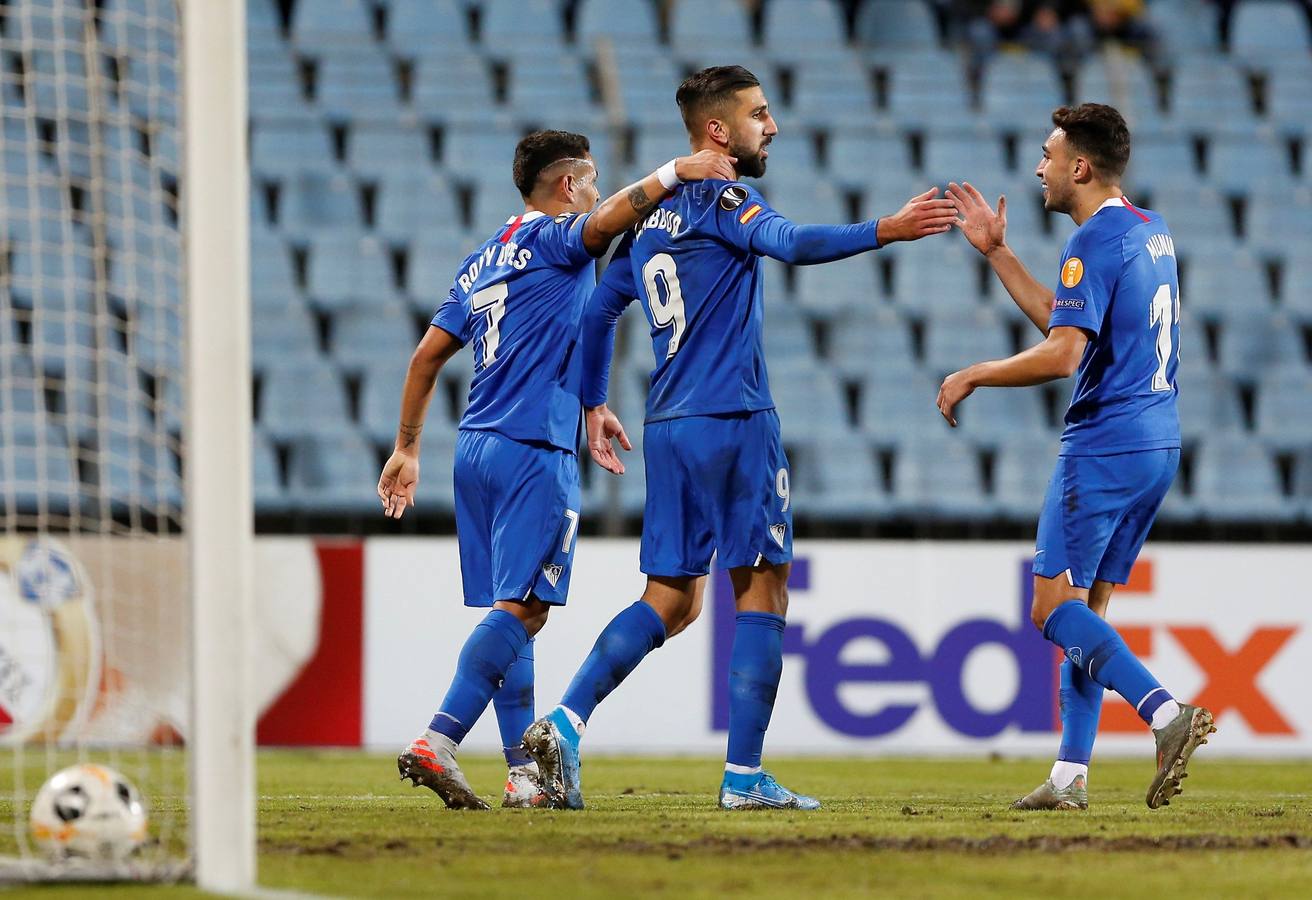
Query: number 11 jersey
(692, 263)
(1118, 283)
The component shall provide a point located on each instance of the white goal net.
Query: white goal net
(94, 640)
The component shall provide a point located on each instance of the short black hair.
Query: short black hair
(1098, 132)
(708, 90)
(536, 151)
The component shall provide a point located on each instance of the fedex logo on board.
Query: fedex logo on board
(1230, 667)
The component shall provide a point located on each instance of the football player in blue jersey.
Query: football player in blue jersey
(717, 477)
(517, 299)
(1114, 321)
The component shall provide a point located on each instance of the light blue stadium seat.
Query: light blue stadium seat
(1210, 96)
(357, 85)
(433, 260)
(38, 211)
(1280, 224)
(792, 159)
(1254, 339)
(833, 92)
(334, 472)
(1235, 480)
(990, 417)
(136, 471)
(1162, 163)
(964, 156)
(548, 82)
(870, 160)
(955, 339)
(21, 393)
(1199, 220)
(1211, 285)
(1244, 166)
(114, 400)
(270, 495)
(350, 271)
(48, 22)
(832, 288)
(481, 153)
(708, 26)
(56, 79)
(926, 90)
(787, 336)
(263, 29)
(313, 202)
(1185, 26)
(380, 400)
(411, 204)
(52, 277)
(1019, 90)
(807, 199)
(426, 27)
(1303, 485)
(1122, 81)
(289, 332)
(626, 22)
(809, 400)
(1021, 473)
(456, 89)
(363, 334)
(63, 342)
(302, 398)
(896, 23)
(945, 278)
(869, 338)
(1283, 410)
(1295, 299)
(803, 30)
(940, 477)
(37, 469)
(896, 405)
(156, 337)
(653, 146)
(274, 86)
(283, 150)
(1289, 103)
(332, 24)
(384, 149)
(496, 201)
(516, 28)
(838, 479)
(1262, 32)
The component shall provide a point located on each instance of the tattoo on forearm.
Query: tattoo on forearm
(638, 199)
(409, 433)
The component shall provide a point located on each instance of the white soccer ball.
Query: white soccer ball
(88, 812)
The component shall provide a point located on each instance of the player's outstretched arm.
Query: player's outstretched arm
(986, 231)
(1058, 356)
(603, 425)
(622, 210)
(921, 216)
(396, 486)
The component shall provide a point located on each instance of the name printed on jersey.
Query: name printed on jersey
(509, 253)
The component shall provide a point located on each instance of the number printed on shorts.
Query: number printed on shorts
(781, 488)
(660, 278)
(1164, 313)
(570, 530)
(491, 300)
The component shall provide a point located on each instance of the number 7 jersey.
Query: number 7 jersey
(1118, 283)
(518, 299)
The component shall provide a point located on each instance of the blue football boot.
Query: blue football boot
(760, 791)
(554, 744)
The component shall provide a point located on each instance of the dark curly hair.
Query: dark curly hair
(705, 92)
(1098, 132)
(536, 151)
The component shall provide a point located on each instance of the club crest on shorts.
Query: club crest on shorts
(778, 532)
(733, 197)
(552, 572)
(1076, 655)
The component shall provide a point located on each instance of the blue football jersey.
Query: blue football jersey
(1118, 282)
(517, 300)
(692, 263)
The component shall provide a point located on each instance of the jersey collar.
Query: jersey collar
(526, 217)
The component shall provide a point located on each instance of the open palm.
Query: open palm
(985, 229)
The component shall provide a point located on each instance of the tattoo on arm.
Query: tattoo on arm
(638, 199)
(409, 433)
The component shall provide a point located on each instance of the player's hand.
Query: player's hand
(922, 215)
(985, 229)
(396, 486)
(956, 387)
(706, 164)
(602, 426)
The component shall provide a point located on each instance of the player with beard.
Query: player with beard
(1114, 321)
(717, 477)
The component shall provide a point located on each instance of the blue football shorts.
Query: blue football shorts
(715, 485)
(517, 515)
(1097, 513)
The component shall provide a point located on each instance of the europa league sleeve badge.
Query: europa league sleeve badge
(49, 642)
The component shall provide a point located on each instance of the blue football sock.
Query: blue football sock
(488, 654)
(755, 664)
(1081, 704)
(622, 644)
(513, 703)
(1095, 647)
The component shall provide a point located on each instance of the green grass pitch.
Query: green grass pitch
(341, 824)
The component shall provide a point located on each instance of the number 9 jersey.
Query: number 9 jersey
(1118, 283)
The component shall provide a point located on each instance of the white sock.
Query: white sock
(1163, 715)
(1063, 773)
(439, 741)
(741, 770)
(574, 720)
